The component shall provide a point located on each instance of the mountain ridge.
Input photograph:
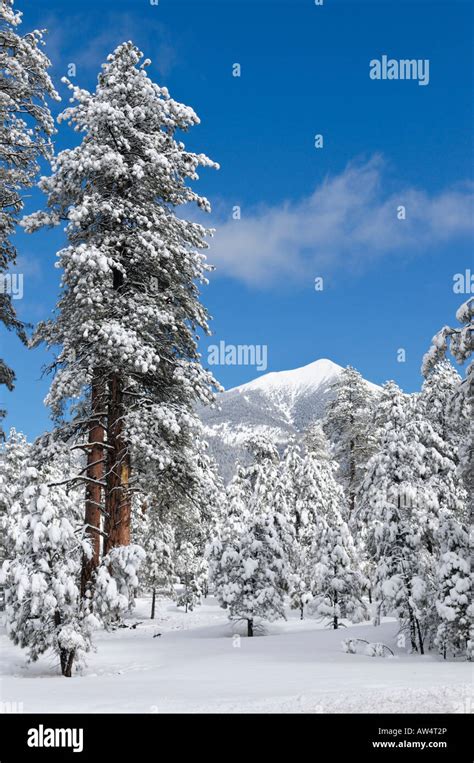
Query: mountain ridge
(279, 404)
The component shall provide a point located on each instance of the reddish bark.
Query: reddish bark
(118, 497)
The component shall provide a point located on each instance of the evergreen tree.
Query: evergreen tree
(26, 127)
(293, 510)
(441, 405)
(337, 580)
(115, 584)
(256, 575)
(309, 491)
(187, 570)
(222, 552)
(460, 341)
(129, 310)
(247, 562)
(395, 504)
(13, 462)
(348, 426)
(44, 609)
(316, 442)
(436, 403)
(453, 603)
(157, 539)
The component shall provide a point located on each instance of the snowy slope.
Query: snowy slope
(280, 404)
(197, 665)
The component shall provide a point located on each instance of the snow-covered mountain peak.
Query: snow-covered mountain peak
(280, 405)
(312, 375)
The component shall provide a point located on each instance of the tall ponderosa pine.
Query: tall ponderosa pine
(129, 310)
(348, 426)
(26, 127)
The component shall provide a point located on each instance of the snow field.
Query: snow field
(200, 664)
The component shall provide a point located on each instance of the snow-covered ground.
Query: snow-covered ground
(198, 664)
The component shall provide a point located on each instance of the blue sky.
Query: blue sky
(305, 212)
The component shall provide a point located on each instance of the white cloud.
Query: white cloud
(88, 46)
(349, 219)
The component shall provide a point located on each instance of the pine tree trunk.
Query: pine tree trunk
(378, 613)
(420, 639)
(249, 627)
(66, 659)
(68, 663)
(414, 645)
(153, 602)
(118, 498)
(301, 612)
(95, 473)
(352, 476)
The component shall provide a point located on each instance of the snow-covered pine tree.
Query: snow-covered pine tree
(308, 489)
(441, 403)
(13, 462)
(247, 562)
(338, 583)
(222, 551)
(395, 506)
(348, 425)
(186, 503)
(316, 442)
(264, 458)
(115, 584)
(44, 609)
(26, 127)
(442, 477)
(460, 341)
(266, 491)
(436, 401)
(156, 537)
(257, 577)
(292, 509)
(129, 310)
(187, 570)
(455, 633)
(333, 573)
